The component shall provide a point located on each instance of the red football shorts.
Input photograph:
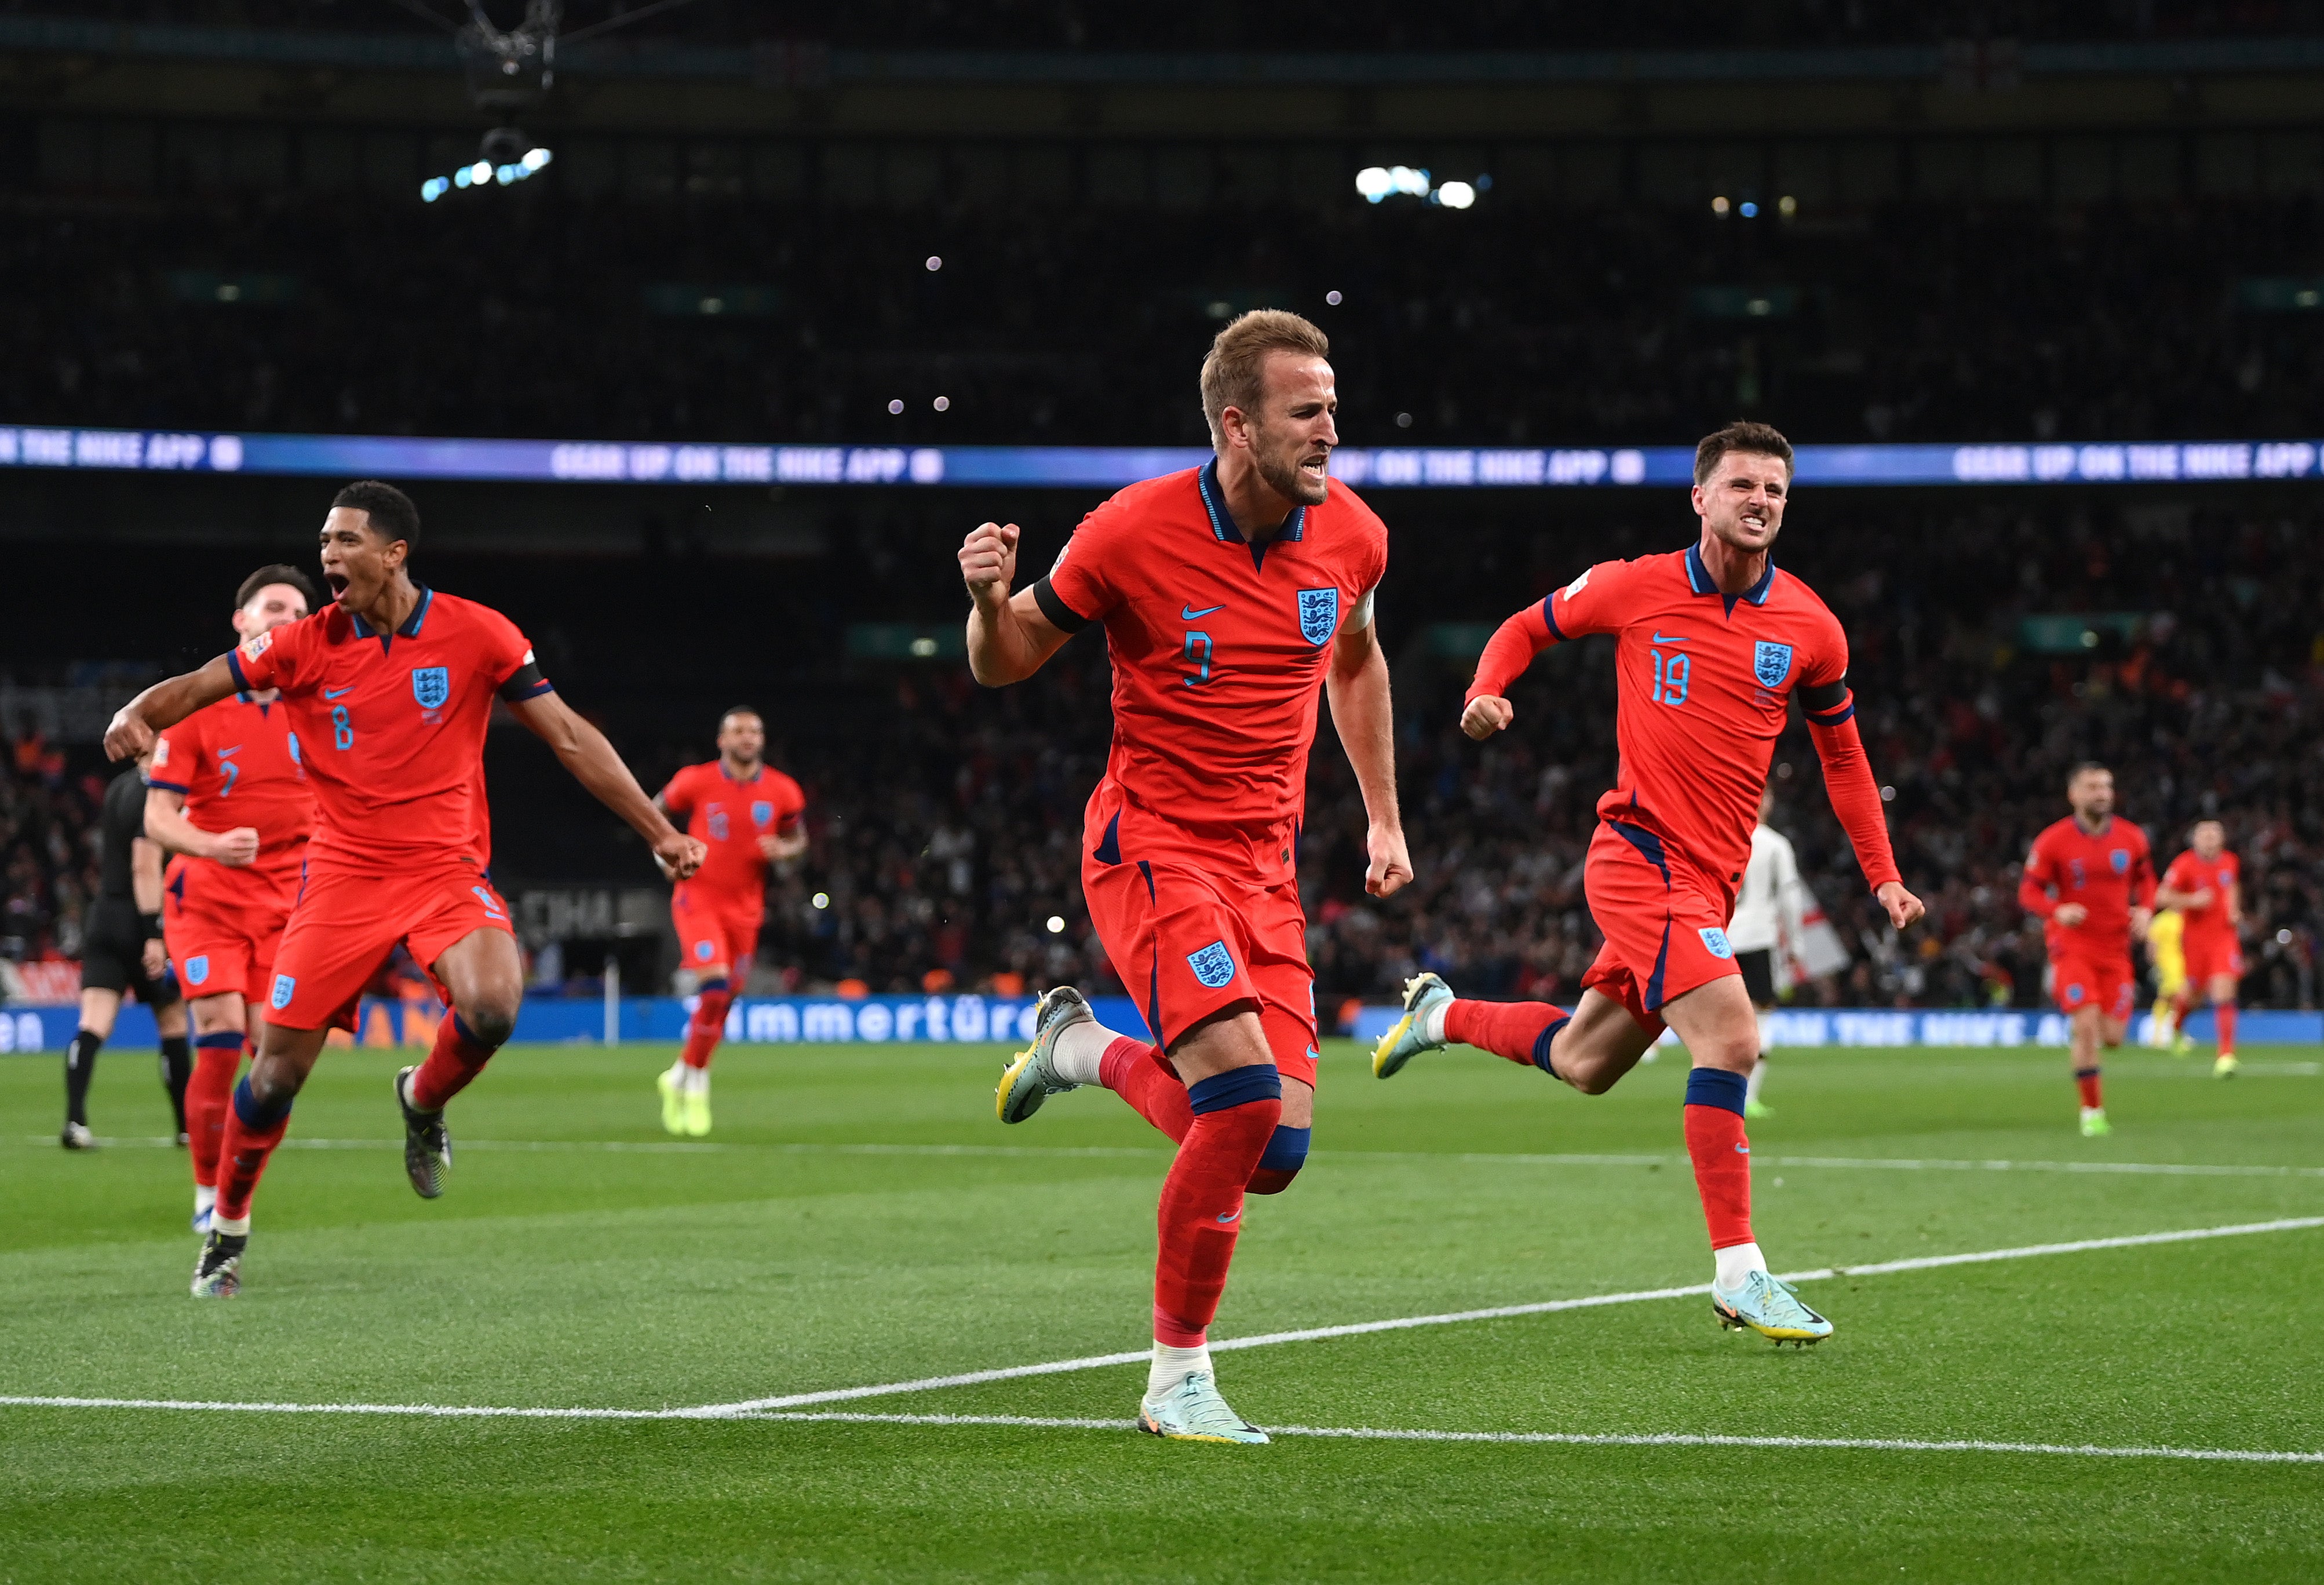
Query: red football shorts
(714, 928)
(1665, 922)
(2208, 956)
(1189, 940)
(346, 923)
(2087, 979)
(221, 925)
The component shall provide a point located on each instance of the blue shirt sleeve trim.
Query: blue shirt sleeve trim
(1549, 615)
(168, 785)
(233, 665)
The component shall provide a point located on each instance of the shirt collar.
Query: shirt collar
(1214, 505)
(1698, 580)
(411, 628)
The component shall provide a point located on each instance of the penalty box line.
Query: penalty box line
(1499, 1313)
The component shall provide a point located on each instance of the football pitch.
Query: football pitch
(604, 1354)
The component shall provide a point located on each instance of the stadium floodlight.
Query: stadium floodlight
(821, 899)
(934, 263)
(1787, 206)
(941, 405)
(434, 188)
(896, 404)
(1372, 182)
(1333, 297)
(1747, 209)
(534, 158)
(1454, 195)
(1718, 204)
(1056, 925)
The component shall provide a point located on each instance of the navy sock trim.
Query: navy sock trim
(1716, 1087)
(1235, 1087)
(1541, 1045)
(255, 1116)
(223, 1040)
(2086, 1072)
(460, 1026)
(707, 986)
(1287, 1148)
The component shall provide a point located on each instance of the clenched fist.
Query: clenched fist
(1486, 716)
(988, 562)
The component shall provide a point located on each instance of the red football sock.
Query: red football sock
(455, 1061)
(2181, 1006)
(2226, 1013)
(707, 1026)
(1512, 1029)
(1721, 1154)
(1133, 1071)
(2087, 1080)
(1201, 1211)
(252, 1133)
(209, 1093)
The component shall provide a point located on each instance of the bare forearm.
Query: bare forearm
(1363, 715)
(999, 650)
(146, 875)
(173, 699)
(595, 766)
(166, 823)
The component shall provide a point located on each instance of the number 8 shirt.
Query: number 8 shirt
(1220, 647)
(391, 729)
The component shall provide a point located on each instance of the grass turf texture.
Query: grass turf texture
(777, 1262)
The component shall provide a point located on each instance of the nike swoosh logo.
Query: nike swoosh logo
(1670, 639)
(1188, 614)
(1742, 1150)
(1225, 1216)
(335, 692)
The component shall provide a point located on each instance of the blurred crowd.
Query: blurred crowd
(1346, 25)
(1519, 322)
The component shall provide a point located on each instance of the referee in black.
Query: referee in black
(121, 951)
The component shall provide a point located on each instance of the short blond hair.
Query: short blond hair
(1234, 373)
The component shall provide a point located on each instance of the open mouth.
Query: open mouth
(338, 583)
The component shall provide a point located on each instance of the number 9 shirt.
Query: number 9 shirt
(1220, 647)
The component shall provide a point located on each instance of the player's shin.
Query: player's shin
(707, 1026)
(2225, 1011)
(253, 1128)
(1132, 1070)
(1235, 1114)
(210, 1090)
(1520, 1031)
(1721, 1154)
(456, 1058)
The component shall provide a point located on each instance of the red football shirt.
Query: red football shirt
(1703, 684)
(390, 726)
(2104, 872)
(730, 817)
(236, 763)
(2191, 872)
(1219, 646)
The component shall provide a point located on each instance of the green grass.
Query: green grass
(777, 1262)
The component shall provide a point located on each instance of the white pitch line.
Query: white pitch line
(1615, 1439)
(1504, 1312)
(757, 1408)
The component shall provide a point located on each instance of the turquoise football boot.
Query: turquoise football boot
(1404, 1042)
(1769, 1307)
(1193, 1411)
(1031, 1076)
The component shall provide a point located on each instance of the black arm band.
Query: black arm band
(152, 923)
(1824, 695)
(524, 683)
(1061, 615)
